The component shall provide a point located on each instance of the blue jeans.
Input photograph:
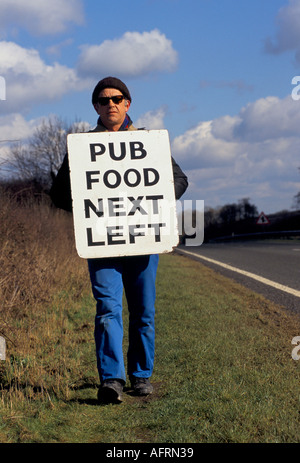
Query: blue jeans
(136, 274)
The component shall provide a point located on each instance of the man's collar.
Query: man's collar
(125, 126)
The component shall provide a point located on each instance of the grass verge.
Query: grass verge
(223, 371)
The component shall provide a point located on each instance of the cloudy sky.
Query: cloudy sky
(220, 76)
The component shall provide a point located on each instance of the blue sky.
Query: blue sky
(216, 74)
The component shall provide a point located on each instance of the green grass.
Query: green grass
(223, 369)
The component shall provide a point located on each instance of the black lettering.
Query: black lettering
(154, 199)
(111, 235)
(157, 227)
(114, 207)
(112, 151)
(90, 180)
(137, 206)
(137, 180)
(89, 205)
(117, 179)
(146, 177)
(90, 239)
(133, 233)
(134, 149)
(95, 153)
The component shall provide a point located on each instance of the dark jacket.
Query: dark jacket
(60, 192)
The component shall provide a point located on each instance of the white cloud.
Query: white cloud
(268, 118)
(199, 147)
(133, 54)
(288, 30)
(152, 120)
(29, 80)
(41, 17)
(14, 128)
(253, 154)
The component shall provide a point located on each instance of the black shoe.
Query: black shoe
(111, 391)
(141, 386)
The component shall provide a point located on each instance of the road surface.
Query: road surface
(269, 268)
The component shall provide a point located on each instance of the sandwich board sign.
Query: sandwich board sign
(122, 193)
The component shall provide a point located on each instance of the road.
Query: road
(269, 268)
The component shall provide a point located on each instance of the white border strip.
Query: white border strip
(265, 281)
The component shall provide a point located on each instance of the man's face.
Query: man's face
(112, 115)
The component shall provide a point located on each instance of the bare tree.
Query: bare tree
(296, 202)
(247, 210)
(234, 212)
(296, 199)
(41, 156)
(229, 213)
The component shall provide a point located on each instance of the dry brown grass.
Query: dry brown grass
(38, 263)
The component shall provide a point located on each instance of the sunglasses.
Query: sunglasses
(104, 100)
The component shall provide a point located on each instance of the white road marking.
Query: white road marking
(266, 281)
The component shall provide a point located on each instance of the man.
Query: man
(109, 276)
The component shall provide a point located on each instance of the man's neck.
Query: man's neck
(124, 126)
(113, 128)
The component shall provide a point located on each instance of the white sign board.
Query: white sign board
(123, 193)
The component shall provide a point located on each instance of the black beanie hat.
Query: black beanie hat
(110, 82)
